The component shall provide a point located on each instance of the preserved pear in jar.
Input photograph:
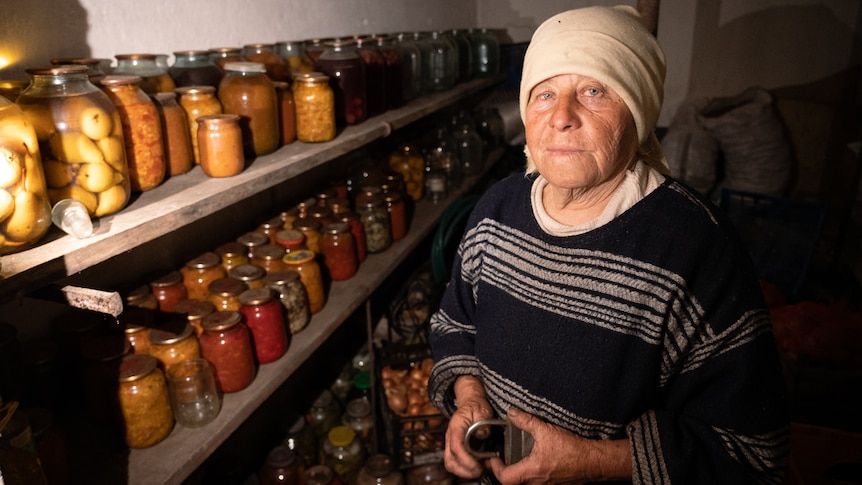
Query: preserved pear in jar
(80, 139)
(154, 78)
(142, 131)
(314, 102)
(25, 212)
(247, 91)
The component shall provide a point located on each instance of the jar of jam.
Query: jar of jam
(286, 113)
(194, 68)
(195, 311)
(290, 239)
(172, 347)
(393, 71)
(252, 274)
(314, 102)
(397, 215)
(198, 101)
(290, 291)
(154, 78)
(169, 290)
(269, 257)
(251, 241)
(293, 54)
(220, 145)
(80, 139)
(375, 75)
(232, 254)
(226, 344)
(224, 293)
(375, 220)
(265, 54)
(142, 131)
(346, 72)
(339, 251)
(264, 316)
(141, 297)
(409, 162)
(358, 231)
(247, 91)
(199, 272)
(136, 323)
(175, 134)
(222, 55)
(310, 229)
(304, 263)
(144, 401)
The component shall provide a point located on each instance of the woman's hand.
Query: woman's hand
(560, 456)
(472, 406)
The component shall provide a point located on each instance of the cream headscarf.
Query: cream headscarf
(609, 44)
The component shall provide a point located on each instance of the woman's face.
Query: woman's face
(579, 132)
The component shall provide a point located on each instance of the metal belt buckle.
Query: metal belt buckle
(517, 443)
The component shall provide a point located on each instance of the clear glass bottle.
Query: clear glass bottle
(314, 102)
(343, 452)
(198, 101)
(194, 68)
(143, 396)
(247, 91)
(346, 73)
(194, 397)
(220, 145)
(175, 134)
(154, 78)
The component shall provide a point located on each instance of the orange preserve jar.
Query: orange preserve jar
(226, 344)
(220, 142)
(224, 293)
(247, 91)
(314, 102)
(286, 113)
(264, 316)
(142, 131)
(143, 395)
(175, 134)
(304, 263)
(199, 272)
(172, 347)
(339, 251)
(169, 290)
(198, 101)
(154, 78)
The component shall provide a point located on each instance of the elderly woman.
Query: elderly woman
(599, 305)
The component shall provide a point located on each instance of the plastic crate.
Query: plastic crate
(781, 235)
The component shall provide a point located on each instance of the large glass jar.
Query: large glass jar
(194, 68)
(286, 113)
(143, 395)
(220, 145)
(486, 53)
(199, 272)
(172, 347)
(80, 139)
(175, 134)
(224, 293)
(290, 291)
(409, 162)
(154, 78)
(375, 219)
(169, 290)
(376, 88)
(304, 263)
(265, 318)
(338, 248)
(226, 343)
(198, 101)
(315, 108)
(25, 212)
(346, 73)
(343, 452)
(142, 131)
(265, 54)
(247, 91)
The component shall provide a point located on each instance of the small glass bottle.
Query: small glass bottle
(175, 134)
(291, 293)
(194, 68)
(199, 272)
(379, 470)
(270, 257)
(346, 74)
(304, 263)
(338, 248)
(173, 347)
(265, 318)
(195, 311)
(251, 274)
(247, 91)
(310, 229)
(226, 343)
(375, 220)
(286, 113)
(358, 231)
(154, 78)
(193, 394)
(169, 290)
(281, 467)
(343, 452)
(314, 103)
(224, 293)
(232, 254)
(198, 101)
(143, 396)
(220, 145)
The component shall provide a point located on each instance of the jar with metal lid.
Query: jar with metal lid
(247, 91)
(154, 78)
(359, 415)
(80, 139)
(290, 291)
(169, 290)
(199, 272)
(195, 311)
(300, 438)
(346, 72)
(265, 54)
(338, 248)
(486, 53)
(136, 323)
(411, 59)
(143, 395)
(304, 263)
(358, 231)
(270, 257)
(224, 293)
(409, 162)
(198, 101)
(251, 241)
(264, 316)
(25, 211)
(379, 470)
(101, 356)
(222, 55)
(220, 145)
(227, 344)
(314, 103)
(142, 131)
(286, 113)
(175, 134)
(343, 451)
(397, 215)
(142, 297)
(171, 347)
(94, 66)
(375, 220)
(290, 239)
(293, 54)
(192, 390)
(194, 68)
(376, 88)
(252, 274)
(310, 229)
(393, 67)
(232, 254)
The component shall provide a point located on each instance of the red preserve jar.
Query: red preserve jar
(226, 344)
(169, 290)
(264, 316)
(339, 251)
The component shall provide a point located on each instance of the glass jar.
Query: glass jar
(195, 311)
(247, 91)
(314, 102)
(290, 291)
(220, 145)
(359, 416)
(358, 231)
(286, 113)
(193, 394)
(198, 101)
(304, 263)
(232, 254)
(324, 414)
(144, 401)
(409, 162)
(141, 297)
(411, 59)
(293, 54)
(199, 272)
(300, 438)
(343, 452)
(281, 467)
(393, 68)
(265, 318)
(80, 139)
(346, 74)
(486, 53)
(379, 470)
(226, 343)
(274, 65)
(142, 131)
(252, 274)
(194, 68)
(269, 257)
(290, 239)
(339, 251)
(222, 55)
(154, 78)
(224, 293)
(251, 241)
(375, 75)
(25, 211)
(173, 347)
(375, 220)
(310, 229)
(397, 215)
(169, 290)
(175, 134)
